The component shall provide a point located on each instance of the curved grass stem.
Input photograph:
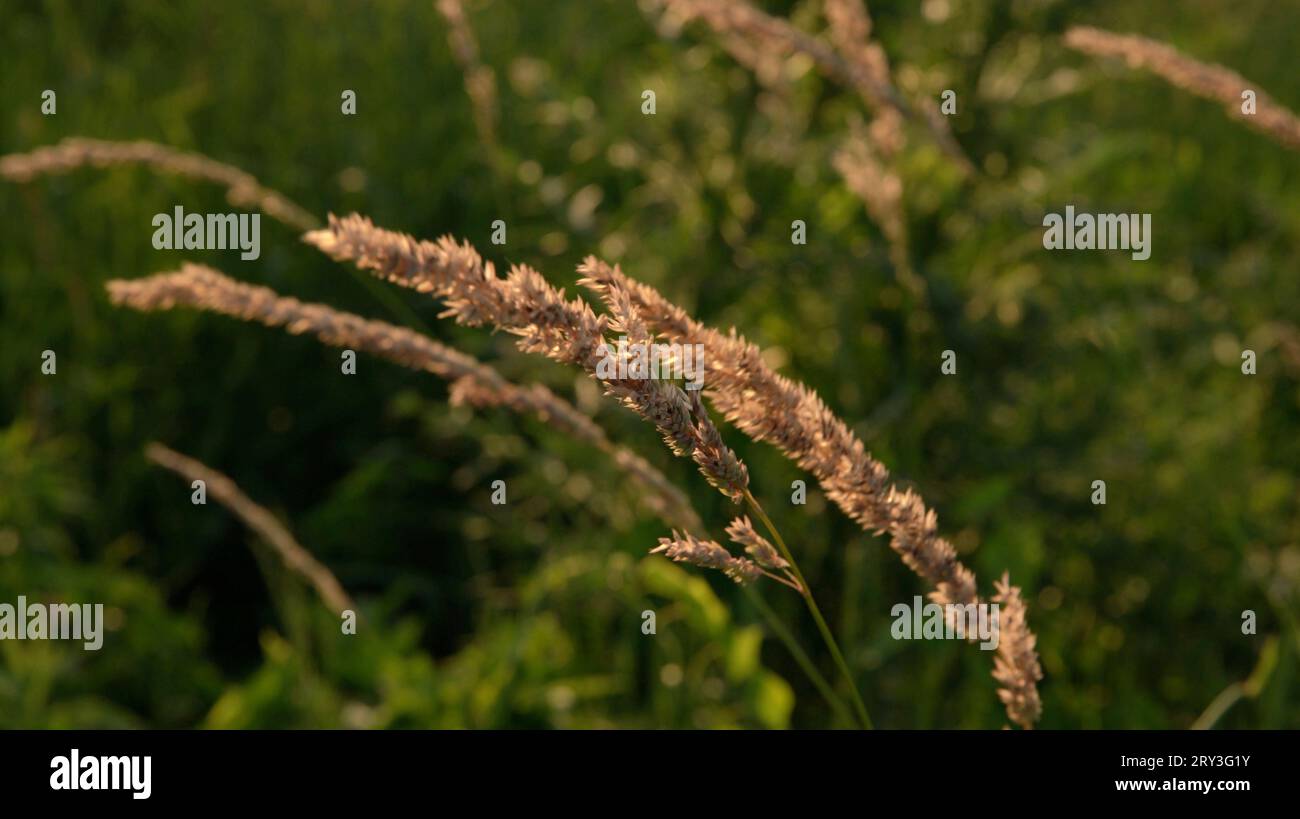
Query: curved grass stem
(858, 705)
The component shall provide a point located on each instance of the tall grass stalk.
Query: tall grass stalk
(260, 520)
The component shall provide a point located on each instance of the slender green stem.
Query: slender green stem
(827, 637)
(801, 657)
(1227, 698)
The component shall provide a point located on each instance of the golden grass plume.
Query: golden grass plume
(1213, 82)
(242, 189)
(766, 406)
(473, 383)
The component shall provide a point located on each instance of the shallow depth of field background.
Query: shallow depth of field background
(1072, 366)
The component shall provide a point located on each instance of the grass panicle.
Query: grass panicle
(773, 409)
(864, 71)
(480, 79)
(1213, 82)
(242, 189)
(472, 382)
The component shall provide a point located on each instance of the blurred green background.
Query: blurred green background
(1073, 367)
